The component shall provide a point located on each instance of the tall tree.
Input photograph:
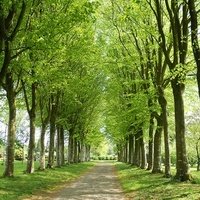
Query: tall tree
(30, 101)
(11, 92)
(178, 18)
(11, 17)
(192, 5)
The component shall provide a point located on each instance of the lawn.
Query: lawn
(26, 184)
(141, 184)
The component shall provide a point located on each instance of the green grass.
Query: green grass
(27, 184)
(140, 184)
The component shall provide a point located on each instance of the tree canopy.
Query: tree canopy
(86, 72)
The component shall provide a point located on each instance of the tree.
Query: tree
(192, 5)
(11, 18)
(31, 109)
(10, 150)
(178, 20)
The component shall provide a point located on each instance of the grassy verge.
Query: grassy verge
(141, 184)
(27, 184)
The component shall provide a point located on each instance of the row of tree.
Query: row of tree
(150, 50)
(59, 59)
(48, 59)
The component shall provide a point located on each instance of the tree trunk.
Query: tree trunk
(87, 153)
(42, 147)
(79, 151)
(198, 156)
(81, 156)
(31, 146)
(119, 153)
(52, 137)
(181, 157)
(131, 150)
(10, 149)
(143, 151)
(75, 156)
(157, 146)
(62, 146)
(137, 150)
(150, 153)
(163, 104)
(70, 147)
(58, 153)
(126, 151)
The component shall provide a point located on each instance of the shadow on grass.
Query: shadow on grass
(27, 184)
(142, 184)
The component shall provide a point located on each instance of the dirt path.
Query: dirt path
(100, 183)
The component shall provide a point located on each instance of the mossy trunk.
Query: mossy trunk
(137, 150)
(131, 148)
(70, 146)
(62, 146)
(182, 170)
(126, 151)
(157, 146)
(87, 153)
(58, 152)
(150, 145)
(10, 149)
(163, 104)
(31, 146)
(143, 152)
(42, 147)
(75, 146)
(52, 137)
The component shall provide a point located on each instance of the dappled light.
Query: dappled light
(88, 87)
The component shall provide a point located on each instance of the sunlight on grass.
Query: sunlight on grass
(27, 184)
(142, 184)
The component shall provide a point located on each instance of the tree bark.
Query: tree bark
(44, 122)
(75, 146)
(137, 150)
(150, 153)
(131, 150)
(42, 147)
(31, 146)
(182, 172)
(53, 115)
(143, 154)
(82, 151)
(157, 146)
(70, 146)
(87, 153)
(120, 153)
(143, 151)
(62, 146)
(52, 137)
(163, 104)
(58, 148)
(198, 156)
(10, 149)
(126, 151)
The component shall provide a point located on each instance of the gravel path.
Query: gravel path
(99, 183)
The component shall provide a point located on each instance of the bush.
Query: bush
(19, 154)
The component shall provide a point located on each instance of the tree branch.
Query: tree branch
(19, 21)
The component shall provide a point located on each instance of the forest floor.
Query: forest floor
(99, 183)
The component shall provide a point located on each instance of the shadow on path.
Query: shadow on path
(100, 183)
